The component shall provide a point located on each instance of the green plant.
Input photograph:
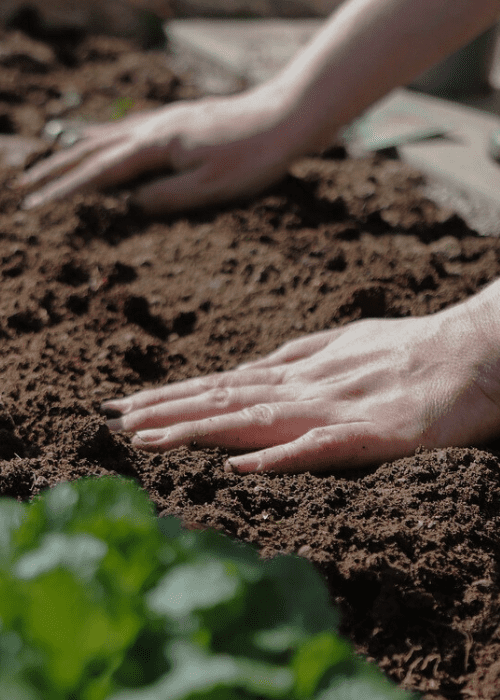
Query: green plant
(100, 600)
(121, 107)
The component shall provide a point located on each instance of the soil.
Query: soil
(99, 301)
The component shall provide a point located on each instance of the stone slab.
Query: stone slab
(251, 50)
(460, 159)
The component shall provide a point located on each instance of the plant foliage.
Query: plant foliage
(99, 599)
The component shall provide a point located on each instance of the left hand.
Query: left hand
(216, 150)
(366, 393)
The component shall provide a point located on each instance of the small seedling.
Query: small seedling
(121, 107)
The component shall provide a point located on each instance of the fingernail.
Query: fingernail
(144, 442)
(31, 201)
(143, 438)
(115, 425)
(114, 408)
(245, 365)
(110, 412)
(244, 465)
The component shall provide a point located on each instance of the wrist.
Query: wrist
(301, 126)
(289, 129)
(477, 324)
(350, 63)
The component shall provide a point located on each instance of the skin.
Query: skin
(366, 393)
(223, 148)
(219, 149)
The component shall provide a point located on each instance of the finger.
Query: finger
(258, 426)
(342, 446)
(211, 403)
(111, 167)
(192, 387)
(120, 126)
(293, 350)
(104, 131)
(59, 162)
(63, 130)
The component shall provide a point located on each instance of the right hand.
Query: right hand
(362, 394)
(219, 149)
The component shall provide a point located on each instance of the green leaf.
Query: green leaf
(99, 599)
(120, 107)
(12, 515)
(279, 639)
(63, 618)
(196, 586)
(314, 658)
(198, 675)
(360, 688)
(16, 689)
(361, 680)
(79, 553)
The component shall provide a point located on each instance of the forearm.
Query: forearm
(367, 48)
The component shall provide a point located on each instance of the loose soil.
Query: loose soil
(98, 301)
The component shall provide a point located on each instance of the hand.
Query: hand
(366, 393)
(219, 148)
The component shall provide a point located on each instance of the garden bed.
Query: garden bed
(98, 301)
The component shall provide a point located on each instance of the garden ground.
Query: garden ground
(98, 301)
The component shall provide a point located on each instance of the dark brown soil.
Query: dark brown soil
(98, 301)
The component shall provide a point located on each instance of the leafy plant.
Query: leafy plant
(100, 600)
(121, 107)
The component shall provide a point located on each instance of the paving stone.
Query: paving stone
(460, 159)
(250, 49)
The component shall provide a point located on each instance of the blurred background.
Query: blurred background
(121, 16)
(472, 71)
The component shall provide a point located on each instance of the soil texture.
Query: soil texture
(98, 301)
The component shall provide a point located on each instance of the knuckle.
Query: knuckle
(165, 435)
(290, 374)
(207, 384)
(219, 397)
(262, 414)
(322, 437)
(283, 453)
(127, 423)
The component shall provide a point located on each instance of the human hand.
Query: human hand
(366, 393)
(218, 148)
